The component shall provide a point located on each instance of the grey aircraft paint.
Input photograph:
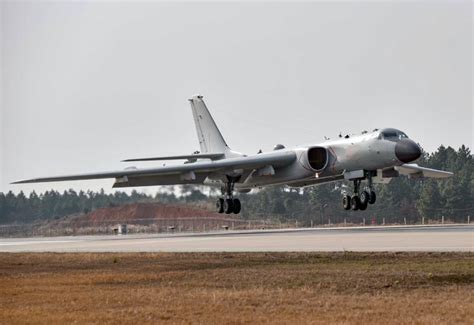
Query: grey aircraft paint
(375, 156)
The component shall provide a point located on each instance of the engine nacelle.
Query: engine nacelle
(316, 158)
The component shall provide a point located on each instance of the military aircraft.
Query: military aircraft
(374, 157)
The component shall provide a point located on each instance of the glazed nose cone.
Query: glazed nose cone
(407, 150)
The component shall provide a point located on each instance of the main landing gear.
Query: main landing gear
(360, 199)
(228, 204)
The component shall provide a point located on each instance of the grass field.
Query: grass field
(377, 288)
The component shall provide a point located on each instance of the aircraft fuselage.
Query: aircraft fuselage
(366, 152)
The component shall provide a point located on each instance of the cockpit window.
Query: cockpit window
(393, 135)
(387, 135)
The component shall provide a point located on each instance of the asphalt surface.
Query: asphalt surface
(445, 238)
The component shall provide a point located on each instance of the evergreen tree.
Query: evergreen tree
(430, 203)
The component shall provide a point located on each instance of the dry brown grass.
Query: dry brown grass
(237, 288)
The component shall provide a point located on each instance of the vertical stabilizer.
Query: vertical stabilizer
(210, 138)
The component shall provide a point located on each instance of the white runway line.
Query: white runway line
(14, 243)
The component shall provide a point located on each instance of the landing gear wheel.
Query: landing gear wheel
(346, 202)
(228, 206)
(237, 206)
(364, 198)
(355, 203)
(220, 205)
(372, 197)
(363, 206)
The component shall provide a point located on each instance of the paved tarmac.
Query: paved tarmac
(445, 238)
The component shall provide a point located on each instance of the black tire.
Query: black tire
(237, 206)
(220, 205)
(372, 198)
(228, 206)
(355, 203)
(363, 206)
(364, 198)
(346, 202)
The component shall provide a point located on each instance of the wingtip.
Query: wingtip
(25, 181)
(18, 182)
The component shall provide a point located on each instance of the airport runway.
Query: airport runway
(364, 239)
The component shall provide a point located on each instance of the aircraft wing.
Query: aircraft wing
(413, 170)
(193, 157)
(316, 181)
(179, 174)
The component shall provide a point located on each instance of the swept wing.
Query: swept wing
(178, 174)
(193, 157)
(413, 170)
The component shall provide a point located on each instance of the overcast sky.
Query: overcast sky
(85, 85)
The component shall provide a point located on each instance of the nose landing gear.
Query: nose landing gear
(228, 204)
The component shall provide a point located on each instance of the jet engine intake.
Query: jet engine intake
(318, 158)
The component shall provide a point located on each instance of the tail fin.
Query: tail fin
(210, 138)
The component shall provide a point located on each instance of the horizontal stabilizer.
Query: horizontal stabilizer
(213, 156)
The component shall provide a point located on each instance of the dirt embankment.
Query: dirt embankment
(140, 218)
(140, 211)
(154, 217)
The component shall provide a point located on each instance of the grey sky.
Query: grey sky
(88, 84)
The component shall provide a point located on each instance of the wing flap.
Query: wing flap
(316, 181)
(413, 170)
(173, 179)
(194, 157)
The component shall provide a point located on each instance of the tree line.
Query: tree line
(401, 200)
